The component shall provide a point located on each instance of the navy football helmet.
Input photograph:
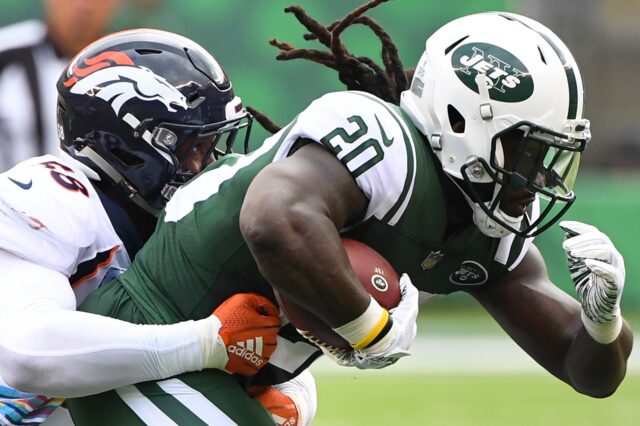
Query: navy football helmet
(147, 110)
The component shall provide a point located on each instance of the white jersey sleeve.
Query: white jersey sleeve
(55, 232)
(370, 139)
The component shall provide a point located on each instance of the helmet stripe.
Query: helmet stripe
(568, 68)
(571, 77)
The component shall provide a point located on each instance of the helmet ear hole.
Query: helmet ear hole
(456, 120)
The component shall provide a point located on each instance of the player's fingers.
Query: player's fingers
(601, 252)
(586, 240)
(261, 305)
(268, 309)
(253, 306)
(602, 269)
(410, 295)
(573, 228)
(408, 290)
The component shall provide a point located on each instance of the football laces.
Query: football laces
(336, 352)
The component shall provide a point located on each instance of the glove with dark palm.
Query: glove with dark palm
(597, 271)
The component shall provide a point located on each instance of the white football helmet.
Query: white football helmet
(488, 78)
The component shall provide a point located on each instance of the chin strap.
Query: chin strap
(486, 224)
(490, 227)
(119, 180)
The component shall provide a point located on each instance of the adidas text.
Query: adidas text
(246, 354)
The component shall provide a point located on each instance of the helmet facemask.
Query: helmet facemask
(191, 148)
(526, 156)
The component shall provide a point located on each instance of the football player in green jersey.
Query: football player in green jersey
(451, 187)
(494, 113)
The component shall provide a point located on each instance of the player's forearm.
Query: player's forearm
(598, 354)
(295, 260)
(289, 219)
(68, 353)
(597, 369)
(49, 348)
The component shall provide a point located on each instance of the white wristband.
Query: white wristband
(605, 332)
(363, 330)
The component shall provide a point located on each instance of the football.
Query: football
(375, 274)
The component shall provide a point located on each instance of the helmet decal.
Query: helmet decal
(103, 60)
(575, 99)
(507, 78)
(117, 83)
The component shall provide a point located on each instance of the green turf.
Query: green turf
(468, 400)
(459, 315)
(449, 399)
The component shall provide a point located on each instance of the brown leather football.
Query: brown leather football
(377, 277)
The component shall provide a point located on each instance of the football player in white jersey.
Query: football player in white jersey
(139, 113)
(478, 155)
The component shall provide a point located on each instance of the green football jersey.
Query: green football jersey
(197, 257)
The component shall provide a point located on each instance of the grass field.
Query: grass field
(443, 399)
(466, 372)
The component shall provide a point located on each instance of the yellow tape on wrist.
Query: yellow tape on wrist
(364, 342)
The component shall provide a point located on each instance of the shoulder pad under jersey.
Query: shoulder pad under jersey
(47, 195)
(371, 139)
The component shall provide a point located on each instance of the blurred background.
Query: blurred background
(458, 340)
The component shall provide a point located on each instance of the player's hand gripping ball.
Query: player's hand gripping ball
(375, 274)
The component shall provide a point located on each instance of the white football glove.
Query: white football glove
(597, 271)
(394, 345)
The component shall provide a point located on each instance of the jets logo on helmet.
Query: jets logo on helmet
(123, 81)
(508, 78)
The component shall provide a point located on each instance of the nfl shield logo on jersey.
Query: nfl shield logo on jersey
(431, 260)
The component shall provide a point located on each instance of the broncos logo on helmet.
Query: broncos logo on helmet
(133, 105)
(117, 80)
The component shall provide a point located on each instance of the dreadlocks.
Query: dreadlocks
(357, 73)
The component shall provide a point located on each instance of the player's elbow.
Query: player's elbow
(599, 386)
(22, 365)
(600, 390)
(270, 225)
(598, 393)
(599, 373)
(20, 372)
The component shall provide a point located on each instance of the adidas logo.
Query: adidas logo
(281, 421)
(250, 349)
